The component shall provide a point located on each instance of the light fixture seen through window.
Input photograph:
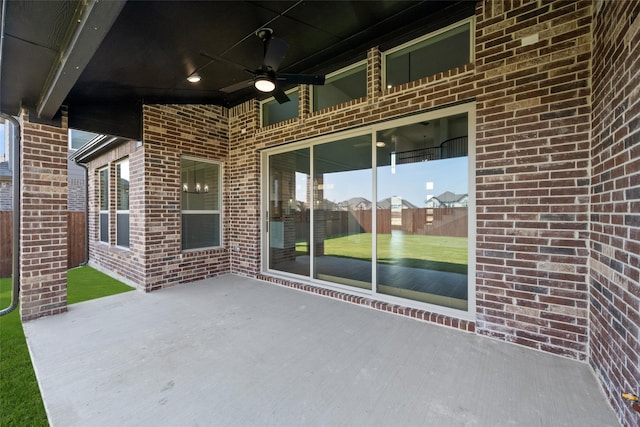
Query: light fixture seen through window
(192, 177)
(197, 188)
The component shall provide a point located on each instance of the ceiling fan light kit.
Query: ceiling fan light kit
(194, 78)
(264, 83)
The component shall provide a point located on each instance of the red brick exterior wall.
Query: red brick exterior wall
(532, 148)
(170, 131)
(155, 258)
(43, 229)
(125, 264)
(615, 203)
(532, 173)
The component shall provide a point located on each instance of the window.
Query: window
(103, 203)
(274, 112)
(432, 54)
(122, 203)
(341, 86)
(201, 203)
(383, 211)
(77, 138)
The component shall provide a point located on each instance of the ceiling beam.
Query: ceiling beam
(90, 25)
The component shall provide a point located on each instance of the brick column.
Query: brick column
(374, 74)
(43, 240)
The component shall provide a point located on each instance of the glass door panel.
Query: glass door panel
(342, 211)
(422, 216)
(289, 215)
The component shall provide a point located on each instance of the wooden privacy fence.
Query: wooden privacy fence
(423, 221)
(76, 240)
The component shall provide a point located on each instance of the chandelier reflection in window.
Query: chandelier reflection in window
(193, 180)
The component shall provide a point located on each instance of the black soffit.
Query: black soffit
(152, 46)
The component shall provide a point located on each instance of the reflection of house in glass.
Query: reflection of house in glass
(448, 200)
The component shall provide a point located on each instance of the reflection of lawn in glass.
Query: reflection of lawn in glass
(439, 253)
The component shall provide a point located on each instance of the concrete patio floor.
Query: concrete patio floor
(240, 352)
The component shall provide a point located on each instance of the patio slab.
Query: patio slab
(234, 351)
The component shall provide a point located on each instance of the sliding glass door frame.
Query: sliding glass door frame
(465, 108)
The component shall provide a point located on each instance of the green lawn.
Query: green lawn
(440, 253)
(20, 401)
(86, 283)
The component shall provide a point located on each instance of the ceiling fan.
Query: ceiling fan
(266, 78)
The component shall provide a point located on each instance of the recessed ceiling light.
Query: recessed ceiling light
(194, 78)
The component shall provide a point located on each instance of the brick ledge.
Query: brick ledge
(439, 319)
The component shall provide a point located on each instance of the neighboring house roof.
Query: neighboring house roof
(99, 145)
(386, 204)
(446, 198)
(355, 203)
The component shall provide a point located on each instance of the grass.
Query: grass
(439, 253)
(20, 400)
(86, 283)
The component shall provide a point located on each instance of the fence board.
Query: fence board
(5, 243)
(423, 221)
(76, 240)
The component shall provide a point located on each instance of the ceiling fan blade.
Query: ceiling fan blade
(301, 79)
(274, 52)
(237, 86)
(280, 96)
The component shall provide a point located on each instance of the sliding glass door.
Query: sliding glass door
(342, 211)
(383, 212)
(423, 194)
(289, 212)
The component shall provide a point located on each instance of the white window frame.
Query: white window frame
(119, 212)
(268, 100)
(472, 26)
(102, 211)
(470, 312)
(336, 76)
(70, 138)
(219, 211)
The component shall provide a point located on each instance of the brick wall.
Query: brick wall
(170, 131)
(154, 258)
(43, 242)
(125, 264)
(531, 84)
(532, 173)
(615, 203)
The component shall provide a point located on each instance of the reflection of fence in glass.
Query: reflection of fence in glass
(422, 221)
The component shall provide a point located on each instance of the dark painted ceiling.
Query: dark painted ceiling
(103, 60)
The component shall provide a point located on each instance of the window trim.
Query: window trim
(100, 210)
(332, 76)
(219, 211)
(470, 109)
(118, 211)
(272, 98)
(70, 138)
(472, 54)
